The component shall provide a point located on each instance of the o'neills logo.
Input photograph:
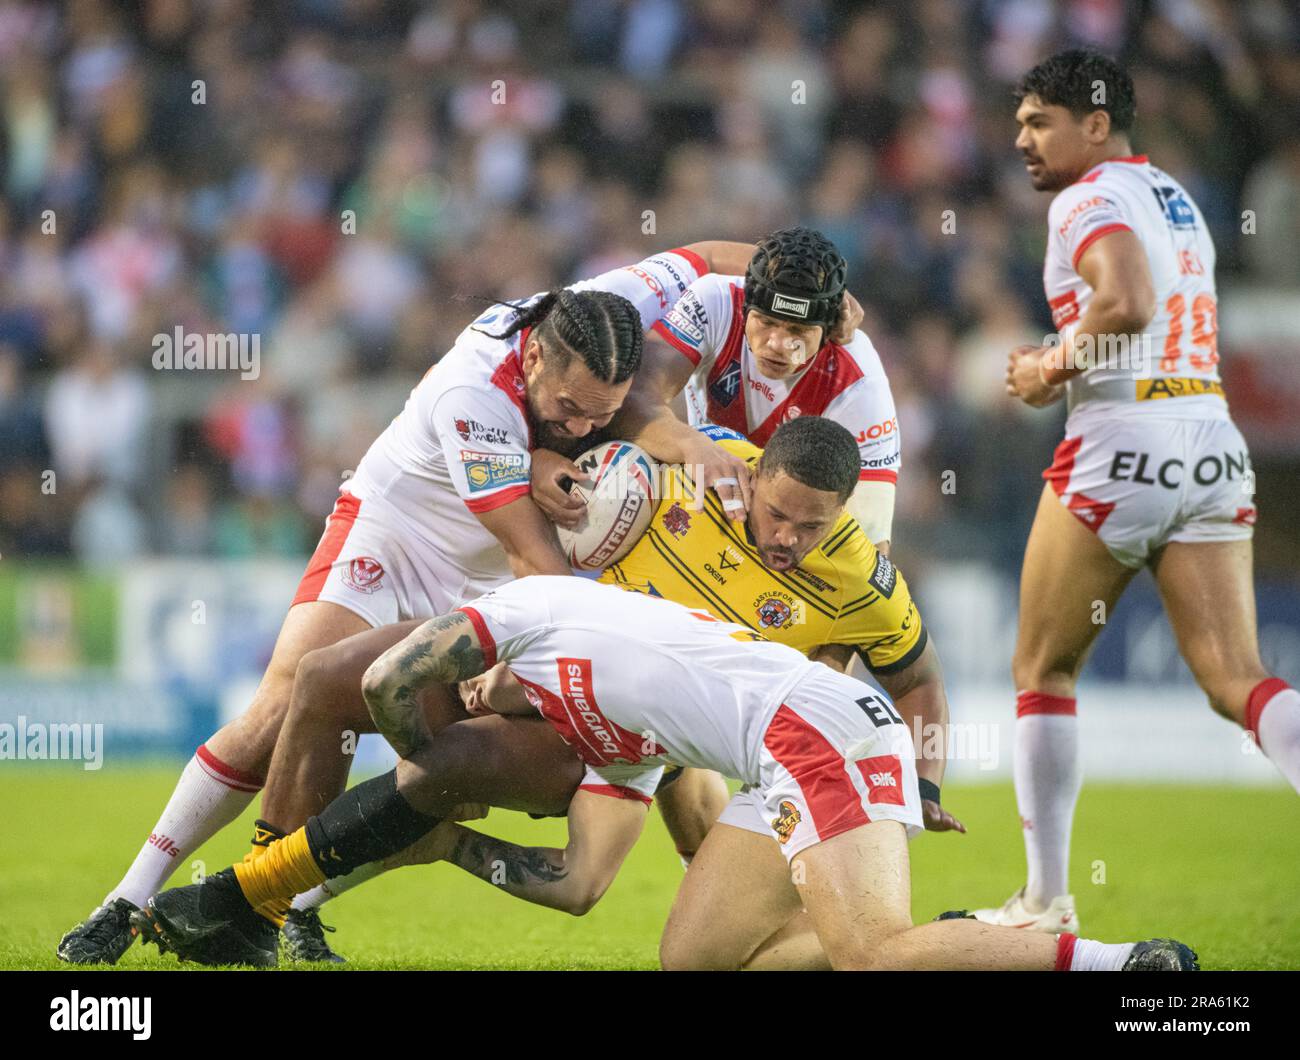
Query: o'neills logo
(795, 307)
(199, 351)
(575, 690)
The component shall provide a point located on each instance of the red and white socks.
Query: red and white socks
(1273, 715)
(1074, 954)
(208, 796)
(1045, 765)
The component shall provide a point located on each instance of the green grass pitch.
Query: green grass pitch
(1216, 867)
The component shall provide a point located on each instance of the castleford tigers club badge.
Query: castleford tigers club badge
(677, 521)
(788, 818)
(364, 574)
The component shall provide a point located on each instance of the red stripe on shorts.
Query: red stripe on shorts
(1063, 464)
(833, 801)
(322, 560)
(616, 791)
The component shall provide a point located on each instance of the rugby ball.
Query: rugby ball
(620, 496)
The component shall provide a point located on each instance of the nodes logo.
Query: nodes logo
(787, 820)
(364, 574)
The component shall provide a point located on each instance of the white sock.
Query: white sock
(323, 892)
(1273, 713)
(1047, 776)
(208, 796)
(1092, 956)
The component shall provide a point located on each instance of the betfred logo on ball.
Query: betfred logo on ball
(620, 501)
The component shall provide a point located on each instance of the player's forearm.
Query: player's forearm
(1110, 325)
(724, 256)
(919, 697)
(925, 711)
(535, 874)
(650, 423)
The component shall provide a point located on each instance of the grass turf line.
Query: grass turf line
(1215, 867)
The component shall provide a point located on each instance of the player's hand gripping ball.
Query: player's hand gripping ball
(620, 502)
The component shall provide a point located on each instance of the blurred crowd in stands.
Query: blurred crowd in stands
(344, 177)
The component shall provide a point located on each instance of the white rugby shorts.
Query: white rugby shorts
(1141, 481)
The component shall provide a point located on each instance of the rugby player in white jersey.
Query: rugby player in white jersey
(439, 511)
(751, 352)
(1152, 471)
(634, 683)
(755, 350)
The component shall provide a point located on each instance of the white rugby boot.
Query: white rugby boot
(1058, 917)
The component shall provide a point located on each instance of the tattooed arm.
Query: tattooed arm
(602, 830)
(445, 651)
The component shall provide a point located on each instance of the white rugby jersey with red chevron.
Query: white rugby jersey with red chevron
(635, 682)
(462, 445)
(843, 383)
(1181, 341)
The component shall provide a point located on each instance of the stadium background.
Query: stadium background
(333, 177)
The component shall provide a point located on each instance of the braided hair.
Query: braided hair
(602, 327)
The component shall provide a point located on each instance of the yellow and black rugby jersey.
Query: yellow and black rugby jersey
(844, 592)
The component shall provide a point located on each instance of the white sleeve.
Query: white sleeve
(654, 284)
(866, 408)
(507, 620)
(623, 781)
(485, 441)
(1079, 216)
(697, 326)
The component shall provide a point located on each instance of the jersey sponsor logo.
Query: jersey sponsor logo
(820, 584)
(1065, 309)
(364, 574)
(598, 732)
(878, 430)
(792, 412)
(786, 821)
(796, 307)
(677, 520)
(1245, 517)
(762, 388)
(472, 430)
(884, 777)
(724, 389)
(717, 434)
(1156, 389)
(728, 560)
(879, 711)
(489, 471)
(683, 328)
(884, 577)
(1132, 466)
(883, 461)
(650, 281)
(1178, 211)
(1081, 208)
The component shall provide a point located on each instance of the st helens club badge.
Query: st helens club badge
(364, 574)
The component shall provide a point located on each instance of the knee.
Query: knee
(322, 691)
(680, 953)
(1041, 672)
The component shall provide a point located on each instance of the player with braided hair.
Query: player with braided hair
(439, 511)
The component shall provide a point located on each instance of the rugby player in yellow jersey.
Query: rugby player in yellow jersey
(799, 571)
